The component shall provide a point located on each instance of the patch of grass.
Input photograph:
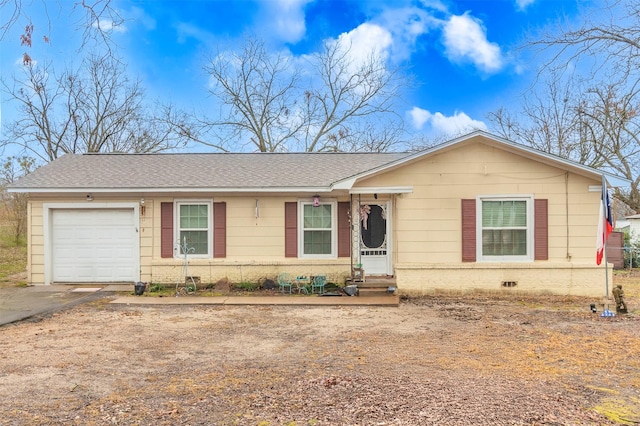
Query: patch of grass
(13, 258)
(157, 289)
(246, 286)
(619, 411)
(630, 281)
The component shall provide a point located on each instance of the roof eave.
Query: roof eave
(550, 159)
(138, 190)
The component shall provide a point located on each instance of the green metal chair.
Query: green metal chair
(318, 282)
(284, 281)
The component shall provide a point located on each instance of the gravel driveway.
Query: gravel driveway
(436, 360)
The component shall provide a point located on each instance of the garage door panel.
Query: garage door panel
(94, 245)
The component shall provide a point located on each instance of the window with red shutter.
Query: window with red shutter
(541, 232)
(344, 230)
(166, 229)
(468, 230)
(291, 229)
(220, 229)
(511, 229)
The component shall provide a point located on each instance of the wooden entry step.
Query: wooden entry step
(377, 286)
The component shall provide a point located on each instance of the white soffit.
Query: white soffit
(382, 190)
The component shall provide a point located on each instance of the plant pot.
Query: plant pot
(139, 288)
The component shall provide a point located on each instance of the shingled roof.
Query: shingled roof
(216, 171)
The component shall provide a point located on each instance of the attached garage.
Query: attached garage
(93, 245)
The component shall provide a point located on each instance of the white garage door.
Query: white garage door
(94, 245)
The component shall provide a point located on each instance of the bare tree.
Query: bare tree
(15, 204)
(368, 136)
(598, 127)
(349, 91)
(548, 121)
(608, 39)
(94, 19)
(274, 103)
(610, 124)
(93, 109)
(595, 122)
(258, 95)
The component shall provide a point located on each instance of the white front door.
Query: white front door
(375, 226)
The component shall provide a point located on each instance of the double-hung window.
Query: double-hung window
(505, 229)
(194, 228)
(318, 229)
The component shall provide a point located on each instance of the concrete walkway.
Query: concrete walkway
(262, 300)
(293, 300)
(22, 303)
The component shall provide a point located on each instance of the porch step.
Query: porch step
(375, 292)
(376, 281)
(377, 286)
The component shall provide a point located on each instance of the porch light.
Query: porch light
(316, 201)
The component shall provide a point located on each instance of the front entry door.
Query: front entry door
(374, 238)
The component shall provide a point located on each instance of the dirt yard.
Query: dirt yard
(441, 360)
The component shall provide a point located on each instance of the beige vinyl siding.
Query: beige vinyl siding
(255, 246)
(426, 226)
(432, 211)
(260, 238)
(35, 252)
(147, 237)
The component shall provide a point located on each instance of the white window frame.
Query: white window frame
(334, 229)
(528, 198)
(177, 229)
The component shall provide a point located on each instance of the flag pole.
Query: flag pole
(604, 197)
(605, 226)
(606, 272)
(606, 207)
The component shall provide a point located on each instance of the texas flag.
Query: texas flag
(605, 224)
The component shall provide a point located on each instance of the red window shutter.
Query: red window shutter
(468, 230)
(344, 230)
(291, 229)
(166, 229)
(541, 230)
(220, 229)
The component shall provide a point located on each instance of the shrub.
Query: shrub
(246, 286)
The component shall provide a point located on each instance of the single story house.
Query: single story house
(477, 212)
(633, 223)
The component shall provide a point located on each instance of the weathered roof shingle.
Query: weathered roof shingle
(221, 171)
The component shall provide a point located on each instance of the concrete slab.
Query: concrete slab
(258, 300)
(20, 303)
(118, 288)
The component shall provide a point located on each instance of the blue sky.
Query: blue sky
(462, 54)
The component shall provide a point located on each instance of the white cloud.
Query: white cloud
(405, 26)
(366, 40)
(439, 123)
(285, 19)
(435, 5)
(186, 31)
(465, 39)
(419, 117)
(521, 5)
(20, 61)
(107, 25)
(138, 15)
